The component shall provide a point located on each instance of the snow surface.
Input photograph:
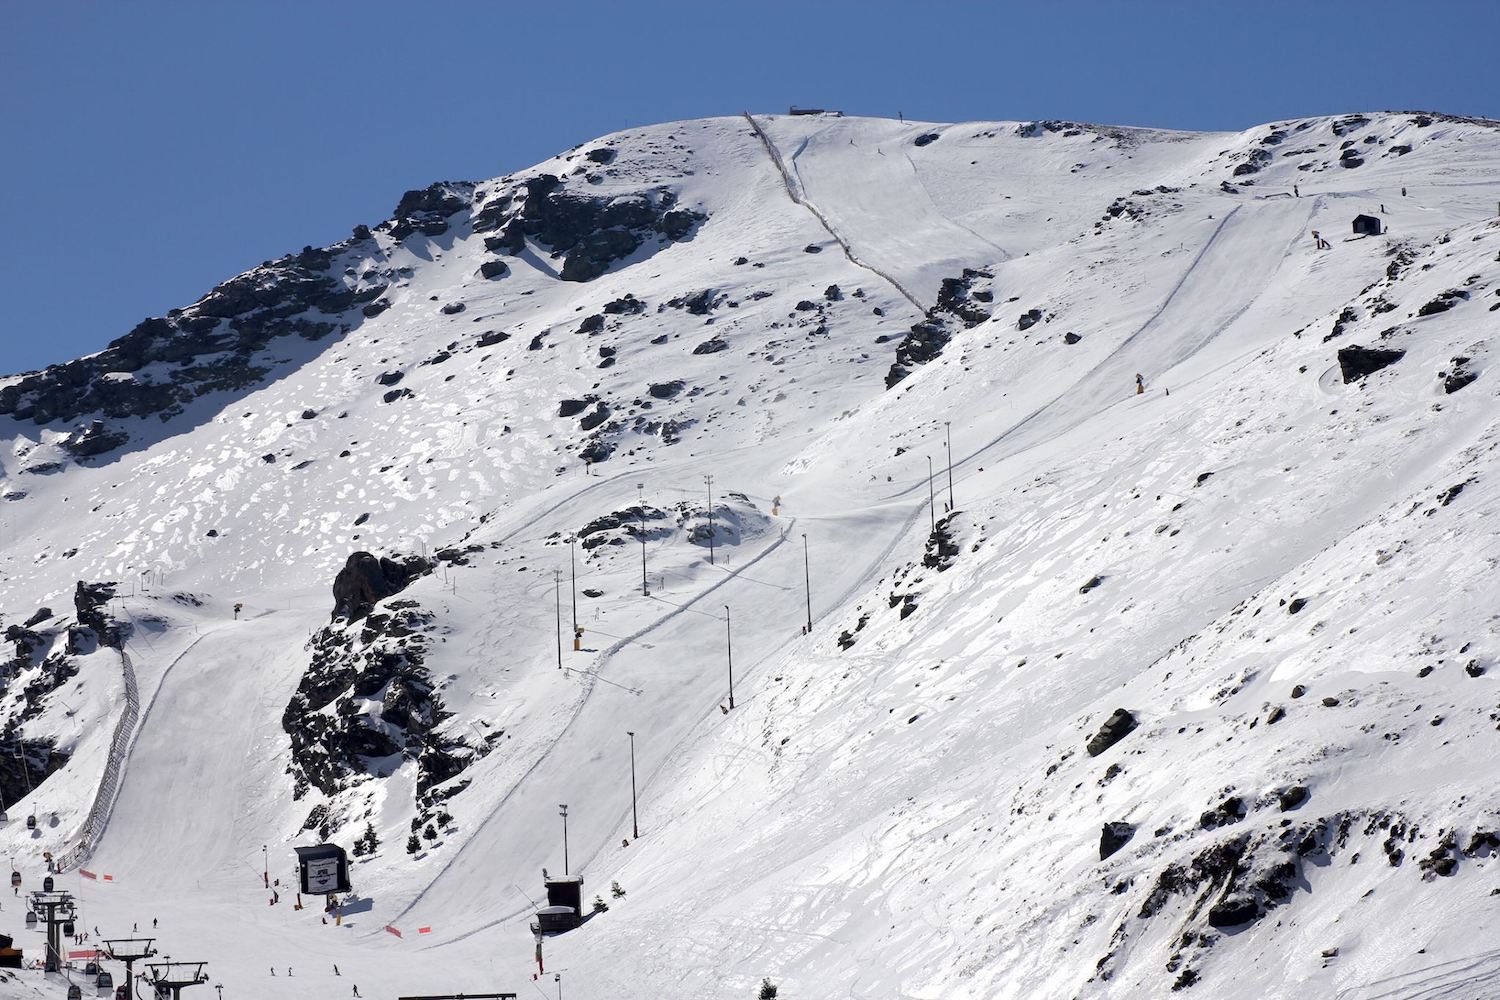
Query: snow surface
(913, 816)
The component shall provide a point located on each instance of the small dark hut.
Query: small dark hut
(1367, 225)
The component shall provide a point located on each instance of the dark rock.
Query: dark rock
(1114, 836)
(601, 155)
(41, 615)
(833, 293)
(628, 305)
(592, 324)
(665, 390)
(1115, 728)
(1029, 319)
(491, 337)
(1443, 302)
(594, 417)
(572, 407)
(366, 580)
(812, 248)
(95, 439)
(1356, 362)
(373, 309)
(453, 308)
(1226, 813)
(1071, 338)
(1092, 582)
(391, 377)
(925, 138)
(494, 269)
(713, 346)
(1234, 911)
(395, 394)
(1291, 798)
(309, 414)
(1297, 604)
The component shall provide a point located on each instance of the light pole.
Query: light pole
(641, 493)
(573, 572)
(635, 822)
(931, 500)
(564, 810)
(710, 479)
(557, 978)
(729, 653)
(557, 591)
(807, 577)
(948, 427)
(265, 864)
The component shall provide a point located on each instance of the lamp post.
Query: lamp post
(807, 577)
(635, 821)
(729, 653)
(641, 493)
(710, 479)
(573, 573)
(557, 592)
(931, 500)
(564, 810)
(265, 864)
(948, 428)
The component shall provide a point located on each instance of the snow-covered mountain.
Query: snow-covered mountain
(1181, 679)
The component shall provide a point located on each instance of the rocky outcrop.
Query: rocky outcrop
(962, 303)
(588, 232)
(1119, 725)
(89, 602)
(1356, 362)
(366, 580)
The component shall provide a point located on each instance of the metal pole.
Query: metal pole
(573, 568)
(564, 809)
(635, 822)
(931, 500)
(641, 492)
(557, 590)
(710, 519)
(729, 653)
(949, 428)
(807, 576)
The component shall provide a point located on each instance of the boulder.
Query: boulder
(366, 579)
(1115, 836)
(494, 269)
(1119, 725)
(1356, 362)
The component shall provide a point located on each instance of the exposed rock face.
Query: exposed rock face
(366, 580)
(88, 601)
(366, 705)
(588, 232)
(960, 305)
(1356, 362)
(213, 345)
(1115, 728)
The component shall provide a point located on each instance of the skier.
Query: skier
(335, 970)
(1140, 384)
(273, 970)
(153, 923)
(356, 989)
(1296, 191)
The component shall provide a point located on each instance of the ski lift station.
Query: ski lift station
(564, 909)
(1366, 225)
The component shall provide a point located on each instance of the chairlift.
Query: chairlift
(30, 918)
(91, 968)
(68, 928)
(15, 879)
(105, 981)
(75, 992)
(31, 822)
(121, 993)
(47, 884)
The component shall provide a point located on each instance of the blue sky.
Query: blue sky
(153, 149)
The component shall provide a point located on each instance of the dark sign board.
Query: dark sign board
(323, 869)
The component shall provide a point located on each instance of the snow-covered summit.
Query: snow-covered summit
(1183, 681)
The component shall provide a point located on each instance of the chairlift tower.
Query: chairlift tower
(56, 908)
(129, 951)
(171, 978)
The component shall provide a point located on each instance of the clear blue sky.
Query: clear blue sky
(151, 150)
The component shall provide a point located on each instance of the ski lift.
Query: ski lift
(68, 928)
(31, 822)
(47, 884)
(91, 968)
(15, 879)
(105, 981)
(75, 992)
(120, 993)
(30, 919)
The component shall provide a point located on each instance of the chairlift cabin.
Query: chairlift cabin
(15, 879)
(31, 822)
(68, 929)
(1366, 225)
(75, 992)
(90, 968)
(30, 918)
(47, 884)
(121, 993)
(105, 981)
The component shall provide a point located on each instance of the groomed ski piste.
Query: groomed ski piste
(1285, 576)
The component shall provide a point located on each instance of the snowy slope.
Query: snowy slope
(900, 804)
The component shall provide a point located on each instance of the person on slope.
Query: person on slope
(1140, 384)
